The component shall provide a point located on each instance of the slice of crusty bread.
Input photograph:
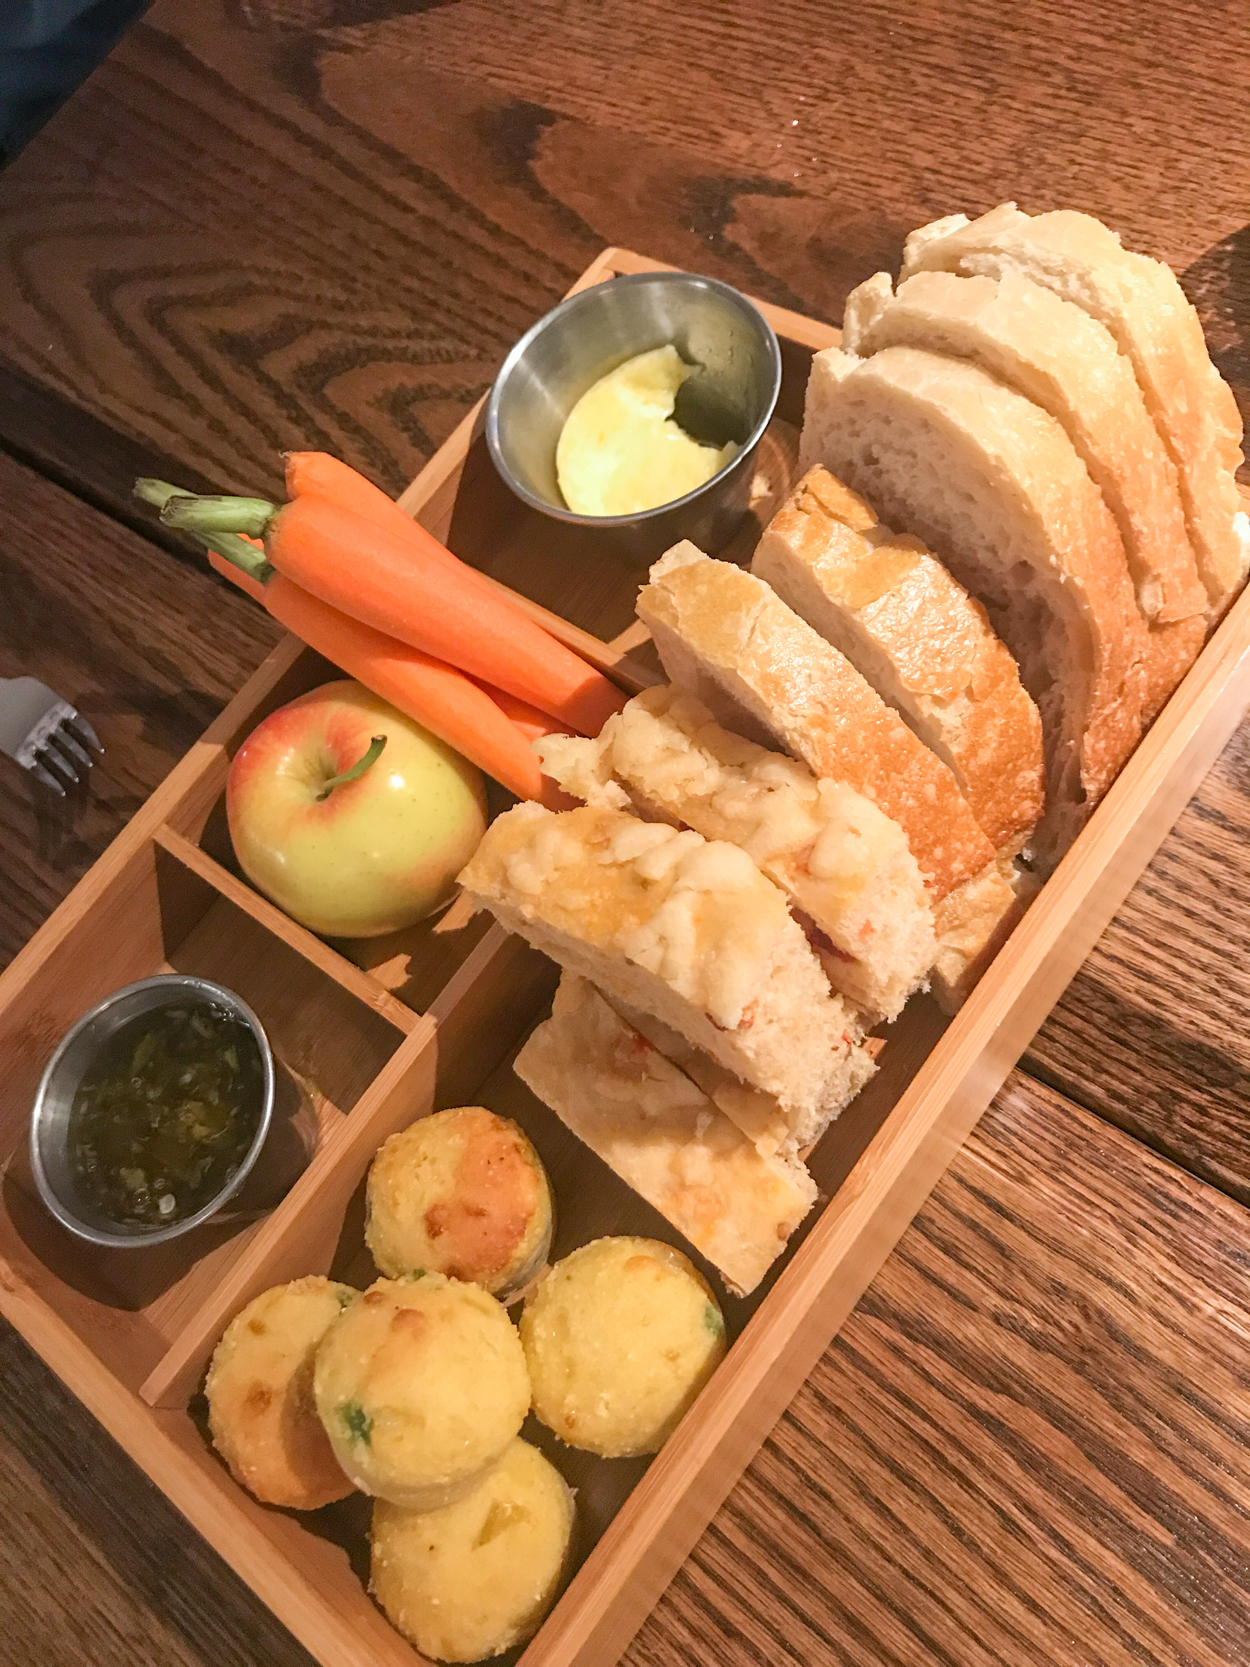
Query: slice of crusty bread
(1061, 358)
(684, 928)
(1143, 306)
(991, 483)
(758, 1115)
(727, 637)
(972, 924)
(841, 861)
(661, 1134)
(920, 640)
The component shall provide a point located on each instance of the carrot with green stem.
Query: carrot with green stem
(378, 574)
(434, 694)
(316, 474)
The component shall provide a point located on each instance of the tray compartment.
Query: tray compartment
(329, 1046)
(481, 1017)
(409, 967)
(323, 1229)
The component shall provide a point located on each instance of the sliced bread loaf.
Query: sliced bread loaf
(663, 1137)
(841, 861)
(926, 647)
(1143, 306)
(727, 637)
(758, 1115)
(992, 484)
(1061, 358)
(681, 927)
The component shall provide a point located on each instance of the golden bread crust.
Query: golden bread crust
(953, 678)
(1018, 461)
(663, 1136)
(684, 928)
(809, 697)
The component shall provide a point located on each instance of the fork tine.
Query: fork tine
(64, 738)
(46, 777)
(82, 731)
(55, 764)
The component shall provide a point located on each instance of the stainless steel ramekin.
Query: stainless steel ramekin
(730, 396)
(49, 1124)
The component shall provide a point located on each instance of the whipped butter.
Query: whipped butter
(620, 452)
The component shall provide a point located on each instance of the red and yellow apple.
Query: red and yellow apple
(352, 851)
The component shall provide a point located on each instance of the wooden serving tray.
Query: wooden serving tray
(370, 1040)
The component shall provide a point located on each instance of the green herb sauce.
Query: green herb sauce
(165, 1114)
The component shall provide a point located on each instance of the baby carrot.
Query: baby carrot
(532, 723)
(435, 695)
(384, 576)
(315, 474)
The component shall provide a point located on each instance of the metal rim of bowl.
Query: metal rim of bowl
(205, 989)
(565, 308)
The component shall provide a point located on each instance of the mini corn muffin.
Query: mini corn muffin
(421, 1385)
(620, 1337)
(462, 1193)
(475, 1578)
(260, 1395)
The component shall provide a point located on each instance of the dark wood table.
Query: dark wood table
(275, 223)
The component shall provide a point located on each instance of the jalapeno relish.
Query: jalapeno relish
(165, 1113)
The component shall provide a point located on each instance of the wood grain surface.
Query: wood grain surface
(293, 222)
(276, 223)
(1027, 1446)
(1154, 1032)
(147, 648)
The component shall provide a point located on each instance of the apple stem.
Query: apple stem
(227, 544)
(357, 770)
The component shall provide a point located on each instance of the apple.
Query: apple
(349, 815)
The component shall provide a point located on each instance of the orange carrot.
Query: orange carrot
(369, 572)
(432, 693)
(532, 723)
(236, 575)
(315, 474)
(367, 558)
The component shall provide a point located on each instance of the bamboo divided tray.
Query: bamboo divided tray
(370, 1041)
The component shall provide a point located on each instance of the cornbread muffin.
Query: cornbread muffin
(474, 1578)
(462, 1193)
(260, 1395)
(620, 1337)
(421, 1385)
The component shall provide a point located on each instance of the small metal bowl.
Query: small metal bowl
(49, 1124)
(730, 396)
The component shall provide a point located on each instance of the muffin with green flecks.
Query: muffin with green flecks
(421, 1385)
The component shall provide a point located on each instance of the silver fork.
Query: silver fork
(45, 734)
